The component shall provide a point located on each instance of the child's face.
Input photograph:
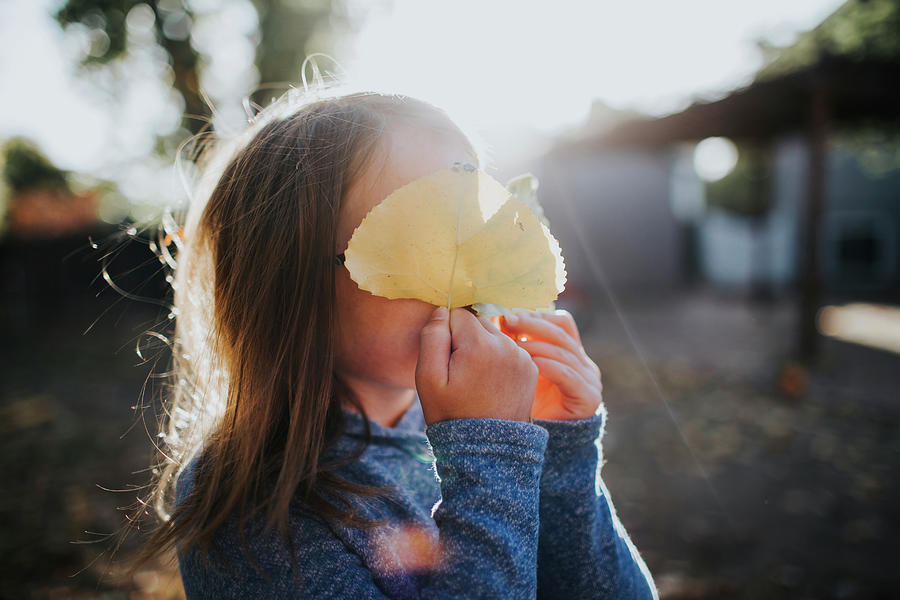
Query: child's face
(377, 338)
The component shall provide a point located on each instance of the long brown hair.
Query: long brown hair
(252, 390)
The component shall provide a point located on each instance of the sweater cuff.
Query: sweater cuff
(572, 434)
(487, 437)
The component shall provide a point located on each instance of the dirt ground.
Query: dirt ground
(732, 481)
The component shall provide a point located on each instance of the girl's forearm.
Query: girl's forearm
(584, 551)
(490, 473)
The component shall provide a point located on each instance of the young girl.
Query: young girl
(324, 442)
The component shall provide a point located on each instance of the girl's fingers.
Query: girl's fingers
(466, 329)
(557, 353)
(489, 325)
(567, 379)
(434, 350)
(531, 326)
(564, 319)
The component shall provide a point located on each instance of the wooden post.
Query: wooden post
(762, 160)
(811, 265)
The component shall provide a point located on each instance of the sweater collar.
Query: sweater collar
(411, 423)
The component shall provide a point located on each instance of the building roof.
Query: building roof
(856, 92)
(852, 58)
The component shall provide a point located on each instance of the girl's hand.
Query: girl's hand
(469, 369)
(569, 386)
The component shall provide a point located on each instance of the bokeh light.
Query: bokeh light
(714, 158)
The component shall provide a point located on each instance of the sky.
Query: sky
(539, 64)
(511, 70)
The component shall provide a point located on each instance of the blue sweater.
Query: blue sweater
(517, 510)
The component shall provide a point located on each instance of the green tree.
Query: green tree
(745, 190)
(862, 29)
(289, 30)
(26, 168)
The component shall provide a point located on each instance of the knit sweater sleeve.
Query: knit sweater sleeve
(584, 551)
(487, 519)
(489, 471)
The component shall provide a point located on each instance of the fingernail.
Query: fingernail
(439, 313)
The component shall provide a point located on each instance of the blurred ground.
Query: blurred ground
(68, 429)
(780, 495)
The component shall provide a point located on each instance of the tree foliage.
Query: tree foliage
(746, 190)
(25, 168)
(108, 16)
(863, 29)
(286, 29)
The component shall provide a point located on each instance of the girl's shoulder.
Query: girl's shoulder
(248, 559)
(184, 483)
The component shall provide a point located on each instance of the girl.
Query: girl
(324, 442)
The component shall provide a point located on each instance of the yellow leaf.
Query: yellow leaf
(457, 237)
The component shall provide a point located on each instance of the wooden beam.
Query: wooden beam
(811, 224)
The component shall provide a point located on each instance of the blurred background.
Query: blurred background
(723, 177)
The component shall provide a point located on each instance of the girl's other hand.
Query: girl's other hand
(468, 368)
(569, 386)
